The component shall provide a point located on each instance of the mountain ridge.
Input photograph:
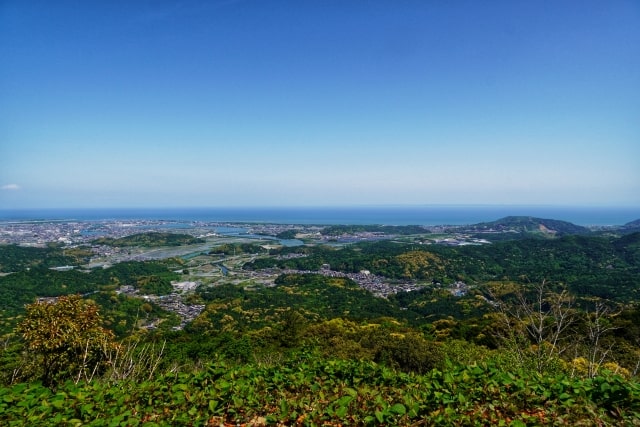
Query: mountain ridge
(529, 224)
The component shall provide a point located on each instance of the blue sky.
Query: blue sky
(281, 103)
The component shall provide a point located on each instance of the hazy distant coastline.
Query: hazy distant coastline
(390, 215)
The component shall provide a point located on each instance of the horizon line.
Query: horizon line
(337, 206)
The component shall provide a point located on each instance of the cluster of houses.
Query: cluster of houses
(172, 302)
(374, 284)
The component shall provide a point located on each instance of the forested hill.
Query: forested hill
(150, 240)
(531, 225)
(631, 227)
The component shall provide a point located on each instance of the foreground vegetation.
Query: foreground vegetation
(309, 390)
(289, 367)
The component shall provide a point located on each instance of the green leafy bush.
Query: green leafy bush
(310, 390)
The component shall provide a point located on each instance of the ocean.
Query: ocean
(386, 215)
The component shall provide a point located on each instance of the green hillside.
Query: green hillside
(631, 227)
(530, 225)
(153, 239)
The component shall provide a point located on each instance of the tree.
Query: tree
(536, 328)
(598, 325)
(291, 329)
(65, 339)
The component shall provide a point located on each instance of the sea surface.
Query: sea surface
(387, 215)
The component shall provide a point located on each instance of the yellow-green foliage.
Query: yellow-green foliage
(581, 367)
(420, 264)
(64, 338)
(389, 342)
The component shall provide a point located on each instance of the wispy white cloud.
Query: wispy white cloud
(10, 187)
